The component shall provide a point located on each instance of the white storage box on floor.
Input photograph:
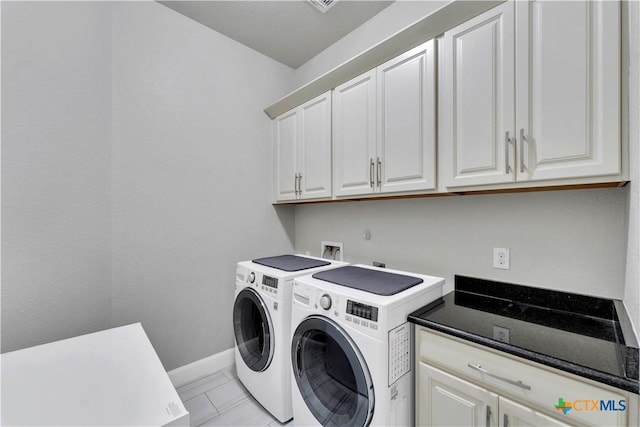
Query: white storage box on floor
(112, 377)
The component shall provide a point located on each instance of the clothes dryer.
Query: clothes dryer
(351, 352)
(261, 323)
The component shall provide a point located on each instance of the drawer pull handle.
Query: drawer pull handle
(507, 380)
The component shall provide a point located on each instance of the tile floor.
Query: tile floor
(221, 400)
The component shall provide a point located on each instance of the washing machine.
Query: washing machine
(261, 323)
(351, 345)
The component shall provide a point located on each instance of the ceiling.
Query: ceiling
(291, 31)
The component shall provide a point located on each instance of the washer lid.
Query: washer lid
(373, 281)
(290, 262)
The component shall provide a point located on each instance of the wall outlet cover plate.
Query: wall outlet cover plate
(501, 258)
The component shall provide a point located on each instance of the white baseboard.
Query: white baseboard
(201, 368)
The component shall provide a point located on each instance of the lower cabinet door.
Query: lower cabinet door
(446, 400)
(513, 414)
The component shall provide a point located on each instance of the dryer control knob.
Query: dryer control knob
(325, 302)
(252, 277)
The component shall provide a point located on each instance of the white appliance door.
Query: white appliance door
(253, 330)
(331, 374)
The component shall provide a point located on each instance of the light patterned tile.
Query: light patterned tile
(200, 409)
(203, 385)
(276, 423)
(230, 372)
(227, 395)
(248, 413)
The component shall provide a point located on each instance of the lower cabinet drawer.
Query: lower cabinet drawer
(525, 381)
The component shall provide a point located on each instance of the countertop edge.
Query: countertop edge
(562, 365)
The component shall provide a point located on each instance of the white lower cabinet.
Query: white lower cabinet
(459, 383)
(451, 401)
(513, 414)
(447, 400)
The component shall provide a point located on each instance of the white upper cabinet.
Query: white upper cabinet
(286, 143)
(384, 127)
(406, 143)
(531, 92)
(477, 99)
(303, 151)
(354, 135)
(314, 178)
(568, 88)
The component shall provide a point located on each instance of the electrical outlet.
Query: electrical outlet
(331, 250)
(501, 258)
(501, 334)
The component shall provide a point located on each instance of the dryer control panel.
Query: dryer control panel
(362, 310)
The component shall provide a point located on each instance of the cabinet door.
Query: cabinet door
(285, 146)
(513, 414)
(354, 136)
(568, 88)
(477, 100)
(406, 149)
(446, 400)
(314, 160)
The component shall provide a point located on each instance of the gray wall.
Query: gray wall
(56, 224)
(567, 240)
(191, 167)
(135, 174)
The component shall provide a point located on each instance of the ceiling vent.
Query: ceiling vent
(323, 5)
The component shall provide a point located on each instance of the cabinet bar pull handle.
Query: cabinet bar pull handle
(507, 142)
(488, 423)
(371, 173)
(507, 380)
(522, 141)
(295, 185)
(506, 420)
(300, 184)
(379, 172)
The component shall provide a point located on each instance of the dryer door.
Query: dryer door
(253, 330)
(332, 376)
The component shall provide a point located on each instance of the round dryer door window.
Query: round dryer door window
(332, 376)
(253, 330)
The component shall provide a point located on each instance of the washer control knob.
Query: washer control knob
(325, 302)
(252, 277)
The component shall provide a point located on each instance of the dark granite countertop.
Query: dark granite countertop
(586, 336)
